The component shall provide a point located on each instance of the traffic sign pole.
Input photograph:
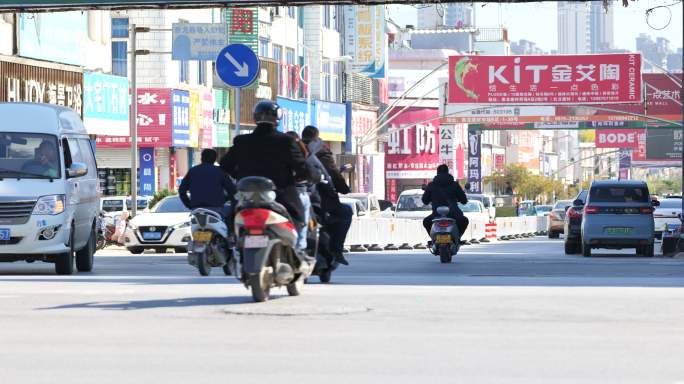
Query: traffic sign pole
(238, 91)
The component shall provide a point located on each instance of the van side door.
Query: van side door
(90, 185)
(76, 191)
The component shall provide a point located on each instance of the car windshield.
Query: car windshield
(671, 204)
(471, 206)
(412, 203)
(563, 205)
(170, 205)
(618, 194)
(29, 155)
(543, 208)
(111, 205)
(142, 204)
(482, 199)
(361, 199)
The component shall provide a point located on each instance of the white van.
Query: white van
(49, 190)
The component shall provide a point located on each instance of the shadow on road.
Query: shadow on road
(159, 303)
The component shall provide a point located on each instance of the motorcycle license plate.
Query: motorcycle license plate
(443, 239)
(204, 236)
(256, 241)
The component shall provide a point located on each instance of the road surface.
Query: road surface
(513, 312)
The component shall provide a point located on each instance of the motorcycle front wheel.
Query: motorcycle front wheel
(444, 254)
(295, 288)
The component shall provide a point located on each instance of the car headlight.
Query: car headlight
(182, 225)
(132, 226)
(49, 205)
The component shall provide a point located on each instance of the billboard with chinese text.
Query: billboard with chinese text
(548, 79)
(365, 39)
(106, 104)
(413, 153)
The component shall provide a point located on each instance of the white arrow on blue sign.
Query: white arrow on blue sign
(237, 65)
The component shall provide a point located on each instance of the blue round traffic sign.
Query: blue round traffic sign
(237, 65)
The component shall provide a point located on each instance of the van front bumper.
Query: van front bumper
(30, 239)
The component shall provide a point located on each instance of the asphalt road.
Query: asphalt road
(513, 312)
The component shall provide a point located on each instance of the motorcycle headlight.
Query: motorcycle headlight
(49, 205)
(182, 225)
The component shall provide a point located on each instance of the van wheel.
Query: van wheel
(64, 262)
(85, 257)
(586, 250)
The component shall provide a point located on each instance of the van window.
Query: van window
(67, 153)
(29, 155)
(87, 154)
(618, 194)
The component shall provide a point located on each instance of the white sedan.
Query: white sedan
(667, 213)
(474, 210)
(166, 226)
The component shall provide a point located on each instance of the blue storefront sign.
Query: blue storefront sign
(54, 37)
(331, 120)
(180, 124)
(198, 41)
(147, 174)
(106, 104)
(295, 116)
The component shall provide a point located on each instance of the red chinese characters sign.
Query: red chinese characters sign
(207, 122)
(566, 79)
(663, 96)
(154, 121)
(413, 153)
(617, 138)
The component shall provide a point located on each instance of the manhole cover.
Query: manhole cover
(274, 309)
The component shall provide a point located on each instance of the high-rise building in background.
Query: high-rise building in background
(654, 53)
(601, 26)
(457, 15)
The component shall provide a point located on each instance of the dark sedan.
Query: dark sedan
(557, 218)
(573, 225)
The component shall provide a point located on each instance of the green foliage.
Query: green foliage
(160, 195)
(528, 186)
(587, 136)
(665, 186)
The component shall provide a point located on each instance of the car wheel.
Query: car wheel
(64, 263)
(570, 247)
(648, 250)
(136, 250)
(553, 235)
(180, 250)
(586, 250)
(85, 257)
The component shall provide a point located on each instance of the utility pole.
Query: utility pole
(134, 127)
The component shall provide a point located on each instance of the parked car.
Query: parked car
(488, 203)
(49, 200)
(572, 227)
(526, 208)
(410, 205)
(618, 214)
(358, 210)
(474, 210)
(543, 210)
(369, 201)
(556, 222)
(166, 226)
(667, 213)
(114, 205)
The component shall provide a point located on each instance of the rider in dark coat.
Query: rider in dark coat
(445, 191)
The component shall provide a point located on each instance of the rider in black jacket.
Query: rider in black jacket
(445, 191)
(209, 187)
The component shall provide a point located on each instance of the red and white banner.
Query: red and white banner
(413, 153)
(154, 121)
(617, 138)
(560, 79)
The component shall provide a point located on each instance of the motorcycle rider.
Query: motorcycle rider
(268, 153)
(340, 215)
(209, 187)
(445, 191)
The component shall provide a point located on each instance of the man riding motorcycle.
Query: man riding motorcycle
(268, 153)
(209, 187)
(340, 215)
(445, 191)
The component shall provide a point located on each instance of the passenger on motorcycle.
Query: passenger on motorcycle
(339, 216)
(444, 191)
(209, 187)
(268, 153)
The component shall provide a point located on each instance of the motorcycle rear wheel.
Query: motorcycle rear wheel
(203, 264)
(444, 254)
(261, 286)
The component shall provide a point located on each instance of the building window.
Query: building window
(290, 61)
(263, 47)
(120, 27)
(202, 73)
(120, 58)
(292, 12)
(301, 76)
(277, 53)
(325, 80)
(326, 16)
(335, 94)
(184, 71)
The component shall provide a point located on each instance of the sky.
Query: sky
(537, 21)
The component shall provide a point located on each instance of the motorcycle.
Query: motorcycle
(266, 238)
(106, 227)
(445, 236)
(210, 246)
